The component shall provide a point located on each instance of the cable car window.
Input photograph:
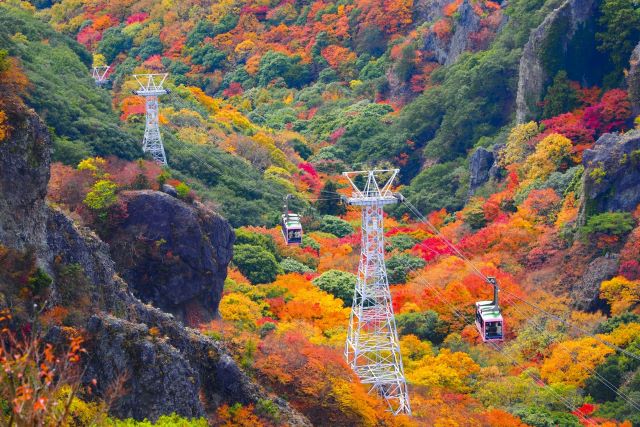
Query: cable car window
(493, 329)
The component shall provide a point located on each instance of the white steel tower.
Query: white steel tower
(99, 74)
(151, 88)
(372, 348)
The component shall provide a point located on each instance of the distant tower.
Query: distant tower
(151, 88)
(372, 348)
(99, 74)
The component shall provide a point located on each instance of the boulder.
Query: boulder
(172, 254)
(170, 190)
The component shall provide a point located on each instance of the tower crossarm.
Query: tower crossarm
(371, 192)
(151, 84)
(99, 73)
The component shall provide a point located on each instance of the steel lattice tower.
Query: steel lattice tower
(99, 74)
(372, 348)
(151, 88)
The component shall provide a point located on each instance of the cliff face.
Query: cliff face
(24, 173)
(447, 51)
(170, 369)
(611, 179)
(173, 255)
(550, 40)
(633, 80)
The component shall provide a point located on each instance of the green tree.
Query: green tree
(473, 215)
(560, 97)
(620, 20)
(113, 42)
(329, 203)
(290, 265)
(426, 325)
(401, 242)
(611, 223)
(256, 263)
(338, 283)
(246, 237)
(399, 266)
(209, 57)
(336, 226)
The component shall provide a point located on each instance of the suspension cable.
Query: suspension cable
(536, 379)
(530, 304)
(593, 372)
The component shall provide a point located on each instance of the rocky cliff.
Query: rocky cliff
(166, 366)
(545, 52)
(446, 51)
(611, 179)
(174, 255)
(24, 167)
(633, 80)
(480, 165)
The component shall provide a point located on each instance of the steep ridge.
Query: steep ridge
(187, 366)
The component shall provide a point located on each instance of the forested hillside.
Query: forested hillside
(515, 129)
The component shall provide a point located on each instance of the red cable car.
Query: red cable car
(489, 321)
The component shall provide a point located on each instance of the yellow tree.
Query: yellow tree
(571, 362)
(548, 156)
(517, 146)
(621, 293)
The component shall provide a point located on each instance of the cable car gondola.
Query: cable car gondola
(489, 320)
(291, 225)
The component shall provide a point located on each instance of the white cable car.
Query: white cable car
(291, 225)
(489, 321)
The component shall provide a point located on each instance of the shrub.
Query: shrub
(246, 237)
(172, 420)
(183, 190)
(329, 203)
(256, 263)
(290, 265)
(308, 242)
(399, 266)
(426, 325)
(610, 223)
(336, 226)
(401, 242)
(101, 197)
(338, 283)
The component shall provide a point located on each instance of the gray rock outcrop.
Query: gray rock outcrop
(585, 293)
(482, 160)
(172, 254)
(556, 31)
(24, 174)
(447, 51)
(611, 180)
(633, 80)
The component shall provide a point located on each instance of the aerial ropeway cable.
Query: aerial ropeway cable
(437, 233)
(572, 408)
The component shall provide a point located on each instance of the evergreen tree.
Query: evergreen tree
(560, 98)
(329, 204)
